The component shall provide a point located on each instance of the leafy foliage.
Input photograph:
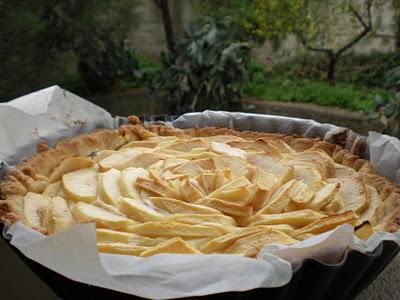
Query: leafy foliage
(330, 29)
(388, 111)
(101, 67)
(20, 27)
(95, 31)
(45, 41)
(209, 65)
(257, 20)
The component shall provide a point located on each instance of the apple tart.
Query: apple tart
(156, 189)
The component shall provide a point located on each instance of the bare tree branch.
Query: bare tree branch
(358, 16)
(357, 38)
(335, 55)
(315, 49)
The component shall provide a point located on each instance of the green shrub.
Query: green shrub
(102, 63)
(208, 67)
(388, 110)
(151, 67)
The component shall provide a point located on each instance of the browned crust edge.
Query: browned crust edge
(32, 175)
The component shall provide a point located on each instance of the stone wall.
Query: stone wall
(148, 37)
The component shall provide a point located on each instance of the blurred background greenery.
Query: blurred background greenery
(173, 56)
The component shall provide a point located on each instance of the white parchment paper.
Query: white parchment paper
(53, 113)
(49, 114)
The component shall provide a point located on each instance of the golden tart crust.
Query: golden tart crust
(158, 189)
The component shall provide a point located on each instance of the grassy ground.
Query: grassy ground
(313, 91)
(280, 85)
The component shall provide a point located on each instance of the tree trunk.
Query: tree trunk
(166, 16)
(331, 69)
(398, 31)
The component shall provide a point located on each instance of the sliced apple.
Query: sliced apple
(179, 207)
(109, 235)
(194, 167)
(210, 181)
(53, 189)
(334, 206)
(311, 177)
(281, 145)
(138, 211)
(173, 229)
(141, 144)
(189, 191)
(300, 196)
(329, 223)
(127, 181)
(375, 211)
(144, 160)
(258, 240)
(354, 194)
(80, 185)
(187, 145)
(37, 211)
(61, 215)
(225, 138)
(238, 167)
(121, 159)
(273, 165)
(171, 163)
(111, 208)
(324, 196)
(278, 200)
(69, 165)
(264, 180)
(98, 156)
(259, 146)
(198, 243)
(85, 213)
(295, 219)
(235, 184)
(157, 188)
(317, 159)
(203, 219)
(238, 195)
(226, 149)
(109, 186)
(235, 191)
(219, 244)
(162, 138)
(226, 207)
(174, 245)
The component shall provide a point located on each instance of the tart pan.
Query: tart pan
(311, 280)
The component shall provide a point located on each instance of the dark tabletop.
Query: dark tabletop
(17, 281)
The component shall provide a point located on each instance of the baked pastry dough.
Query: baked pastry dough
(158, 189)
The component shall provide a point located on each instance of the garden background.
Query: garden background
(332, 60)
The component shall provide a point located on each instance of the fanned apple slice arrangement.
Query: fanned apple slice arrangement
(204, 194)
